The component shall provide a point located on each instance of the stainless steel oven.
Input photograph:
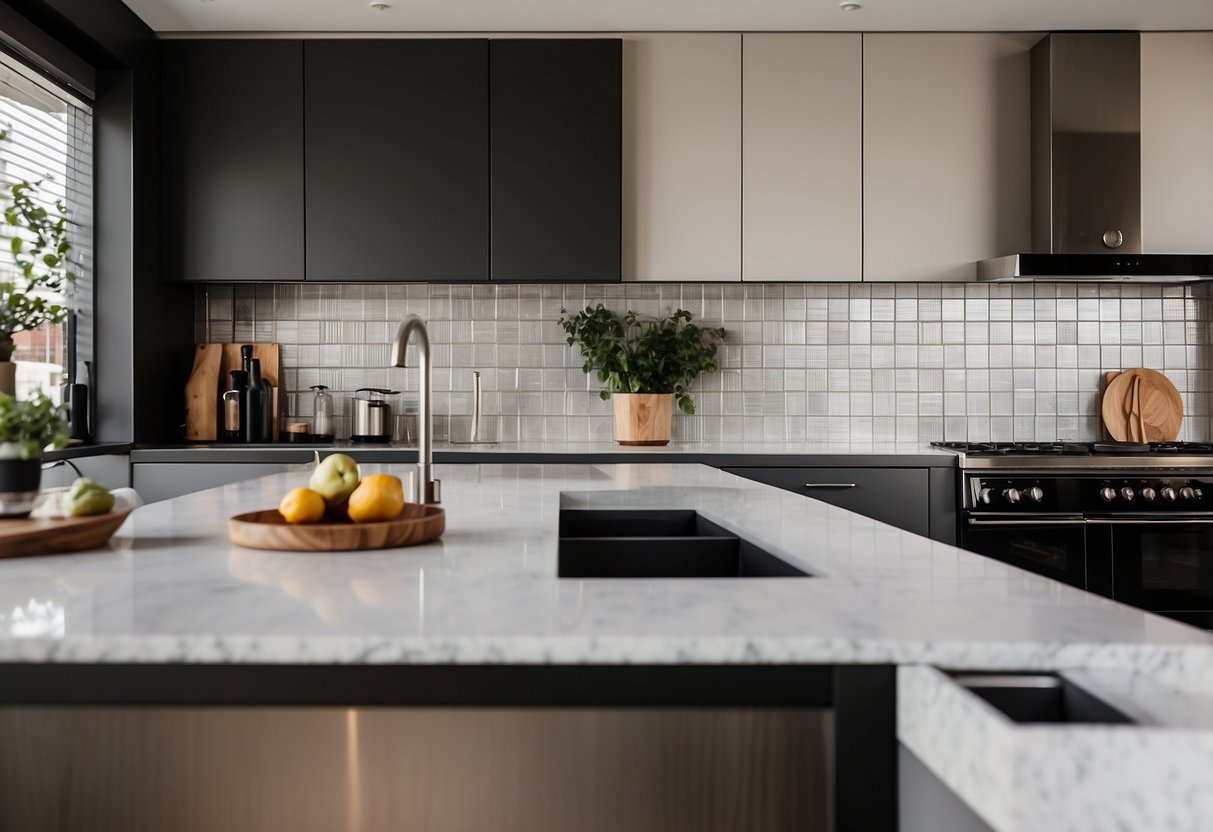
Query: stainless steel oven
(1138, 528)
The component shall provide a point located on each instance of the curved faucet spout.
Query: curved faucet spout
(425, 489)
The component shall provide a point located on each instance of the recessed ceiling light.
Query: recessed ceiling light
(379, 5)
(850, 6)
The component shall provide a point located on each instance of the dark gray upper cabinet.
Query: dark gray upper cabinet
(555, 116)
(233, 160)
(397, 168)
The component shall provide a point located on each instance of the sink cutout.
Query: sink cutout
(1040, 698)
(659, 543)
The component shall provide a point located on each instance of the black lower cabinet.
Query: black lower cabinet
(897, 496)
(397, 140)
(556, 128)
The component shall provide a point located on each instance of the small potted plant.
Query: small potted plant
(38, 244)
(27, 428)
(646, 366)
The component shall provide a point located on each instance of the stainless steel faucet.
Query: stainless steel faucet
(423, 488)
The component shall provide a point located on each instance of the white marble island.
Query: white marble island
(204, 621)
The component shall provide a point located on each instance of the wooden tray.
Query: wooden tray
(416, 524)
(1142, 405)
(44, 536)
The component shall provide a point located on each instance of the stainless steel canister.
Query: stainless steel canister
(372, 415)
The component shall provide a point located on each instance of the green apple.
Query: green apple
(335, 478)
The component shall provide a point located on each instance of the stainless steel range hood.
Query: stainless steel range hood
(1086, 169)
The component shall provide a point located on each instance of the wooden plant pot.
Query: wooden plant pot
(643, 418)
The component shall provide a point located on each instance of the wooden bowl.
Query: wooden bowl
(415, 525)
(47, 536)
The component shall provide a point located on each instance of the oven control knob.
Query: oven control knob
(1148, 494)
(1168, 493)
(1187, 493)
(984, 495)
(1107, 493)
(1036, 494)
(1127, 493)
(1011, 495)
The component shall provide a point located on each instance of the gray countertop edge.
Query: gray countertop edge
(289, 455)
(96, 449)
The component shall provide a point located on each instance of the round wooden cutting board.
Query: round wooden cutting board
(1142, 405)
(416, 524)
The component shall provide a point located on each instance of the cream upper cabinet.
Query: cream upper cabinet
(682, 157)
(802, 163)
(946, 152)
(1177, 142)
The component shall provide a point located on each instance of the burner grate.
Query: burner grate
(1074, 448)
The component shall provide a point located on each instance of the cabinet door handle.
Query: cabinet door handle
(831, 484)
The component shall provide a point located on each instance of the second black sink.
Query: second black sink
(1040, 697)
(659, 543)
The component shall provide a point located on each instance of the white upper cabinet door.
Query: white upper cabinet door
(1177, 142)
(682, 157)
(802, 162)
(946, 152)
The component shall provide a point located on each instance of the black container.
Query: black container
(19, 480)
(20, 475)
(240, 385)
(254, 417)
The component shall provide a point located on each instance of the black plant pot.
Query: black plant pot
(20, 480)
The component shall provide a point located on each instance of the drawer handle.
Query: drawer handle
(831, 485)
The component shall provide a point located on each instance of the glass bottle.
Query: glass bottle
(256, 403)
(322, 415)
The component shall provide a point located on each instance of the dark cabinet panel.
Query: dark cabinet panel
(897, 496)
(233, 160)
(555, 117)
(397, 140)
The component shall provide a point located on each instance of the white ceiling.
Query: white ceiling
(657, 15)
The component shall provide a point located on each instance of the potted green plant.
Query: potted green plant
(27, 428)
(39, 246)
(646, 365)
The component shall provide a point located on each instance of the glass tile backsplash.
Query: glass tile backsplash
(816, 362)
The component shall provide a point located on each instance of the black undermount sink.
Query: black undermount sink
(659, 543)
(1040, 698)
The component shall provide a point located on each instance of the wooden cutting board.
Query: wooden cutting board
(1142, 405)
(202, 394)
(44, 536)
(204, 390)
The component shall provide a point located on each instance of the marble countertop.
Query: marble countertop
(1156, 774)
(172, 589)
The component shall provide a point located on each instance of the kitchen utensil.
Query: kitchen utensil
(322, 415)
(372, 415)
(202, 392)
(1142, 405)
(42, 536)
(416, 524)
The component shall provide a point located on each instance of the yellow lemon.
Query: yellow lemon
(377, 497)
(301, 505)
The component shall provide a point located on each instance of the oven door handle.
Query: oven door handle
(1150, 521)
(1038, 521)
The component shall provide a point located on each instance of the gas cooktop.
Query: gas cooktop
(1120, 455)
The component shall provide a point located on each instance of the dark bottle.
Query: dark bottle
(256, 403)
(233, 407)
